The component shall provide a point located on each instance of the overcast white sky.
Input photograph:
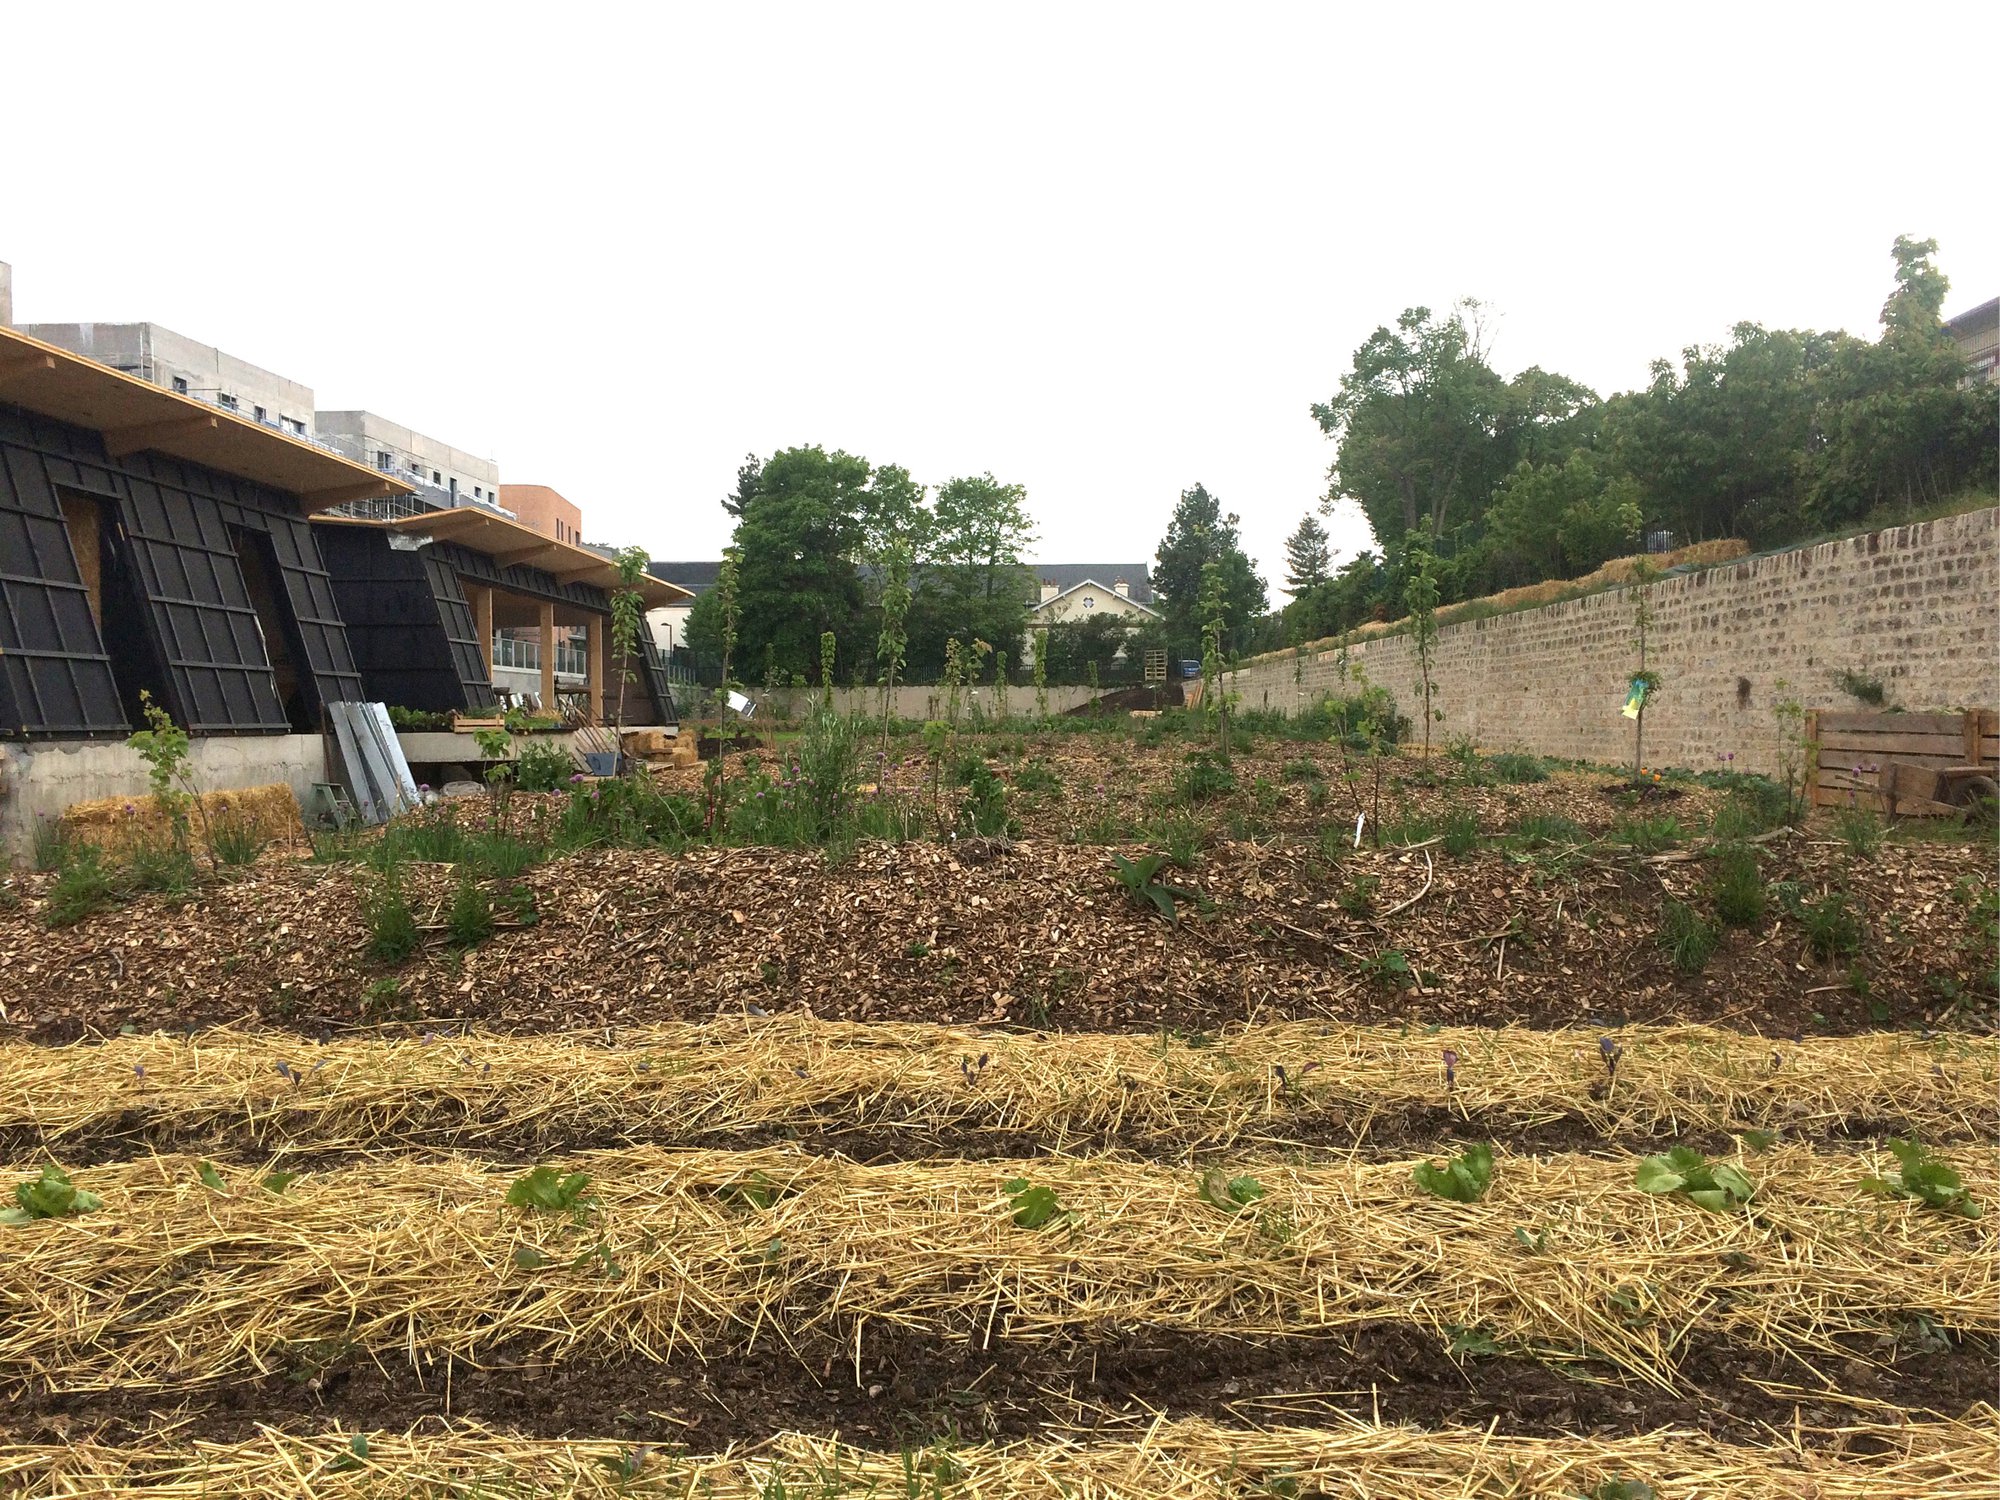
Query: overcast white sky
(1105, 251)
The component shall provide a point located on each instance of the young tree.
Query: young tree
(892, 646)
(1308, 557)
(971, 581)
(626, 604)
(798, 539)
(1420, 597)
(1645, 683)
(1198, 534)
(1213, 602)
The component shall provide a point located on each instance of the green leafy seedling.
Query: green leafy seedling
(1927, 1179)
(1463, 1179)
(1472, 1341)
(355, 1456)
(1230, 1194)
(1716, 1186)
(277, 1182)
(1033, 1206)
(49, 1196)
(549, 1191)
(1622, 1489)
(1141, 879)
(210, 1178)
(528, 1258)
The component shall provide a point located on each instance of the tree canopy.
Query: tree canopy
(1198, 534)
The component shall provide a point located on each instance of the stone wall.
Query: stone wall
(1916, 607)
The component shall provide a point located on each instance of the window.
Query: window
(436, 478)
(226, 401)
(385, 461)
(1089, 602)
(478, 493)
(180, 385)
(259, 414)
(294, 425)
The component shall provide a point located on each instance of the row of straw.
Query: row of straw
(1949, 1460)
(174, 1282)
(1263, 1082)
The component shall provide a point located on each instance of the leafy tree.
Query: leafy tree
(1420, 596)
(1560, 520)
(1308, 557)
(1200, 534)
(798, 538)
(970, 581)
(626, 606)
(892, 646)
(747, 475)
(1415, 420)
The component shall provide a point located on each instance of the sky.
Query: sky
(1103, 251)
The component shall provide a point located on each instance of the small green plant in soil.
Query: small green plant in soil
(82, 885)
(1736, 885)
(983, 809)
(1205, 776)
(1032, 1206)
(1230, 1194)
(1620, 1489)
(1515, 769)
(1038, 777)
(1463, 1179)
(235, 840)
(1460, 832)
(1647, 835)
(470, 920)
(1688, 937)
(1141, 879)
(1540, 830)
(1924, 1177)
(392, 929)
(1861, 830)
(543, 767)
(1716, 1186)
(49, 1196)
(550, 1191)
(1182, 837)
(1303, 770)
(1357, 897)
(1833, 929)
(1390, 966)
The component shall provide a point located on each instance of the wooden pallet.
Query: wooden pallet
(1880, 760)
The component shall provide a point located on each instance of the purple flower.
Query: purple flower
(1610, 1051)
(138, 1070)
(1450, 1068)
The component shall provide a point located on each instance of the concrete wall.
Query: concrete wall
(160, 355)
(917, 702)
(1917, 607)
(37, 781)
(361, 435)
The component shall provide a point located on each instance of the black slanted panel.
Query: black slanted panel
(395, 622)
(461, 631)
(329, 657)
(211, 641)
(654, 673)
(55, 675)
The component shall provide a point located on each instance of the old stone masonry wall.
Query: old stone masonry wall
(1916, 607)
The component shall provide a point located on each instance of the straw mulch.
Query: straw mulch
(1952, 1460)
(172, 1283)
(117, 824)
(683, 1081)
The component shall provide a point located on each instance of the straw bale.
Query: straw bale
(690, 1081)
(1187, 1460)
(172, 1284)
(115, 824)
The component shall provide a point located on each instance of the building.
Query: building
(542, 509)
(1071, 593)
(1977, 334)
(187, 367)
(439, 605)
(440, 477)
(669, 623)
(157, 542)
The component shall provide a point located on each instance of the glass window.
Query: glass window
(180, 385)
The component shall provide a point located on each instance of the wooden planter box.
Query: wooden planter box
(1887, 762)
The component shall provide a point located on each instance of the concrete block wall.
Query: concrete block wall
(1917, 607)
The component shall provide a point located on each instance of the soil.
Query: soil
(916, 1391)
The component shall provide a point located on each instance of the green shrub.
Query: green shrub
(1833, 928)
(501, 856)
(1539, 830)
(543, 767)
(1039, 777)
(470, 920)
(1205, 775)
(52, 844)
(1737, 886)
(1460, 831)
(1860, 829)
(1754, 805)
(1647, 835)
(983, 810)
(82, 885)
(1303, 770)
(1688, 937)
(1516, 769)
(392, 930)
(160, 865)
(235, 840)
(1182, 837)
(1357, 899)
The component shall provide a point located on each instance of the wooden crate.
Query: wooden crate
(1850, 743)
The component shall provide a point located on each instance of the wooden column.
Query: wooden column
(481, 600)
(594, 665)
(548, 637)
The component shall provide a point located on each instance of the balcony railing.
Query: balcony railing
(428, 500)
(526, 656)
